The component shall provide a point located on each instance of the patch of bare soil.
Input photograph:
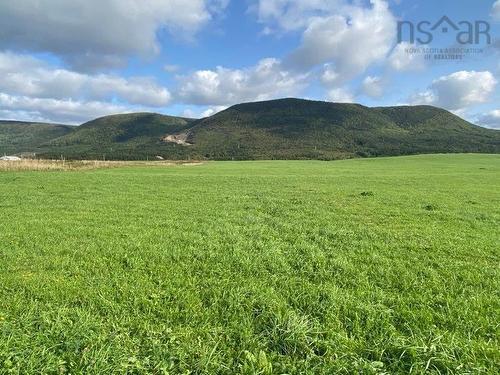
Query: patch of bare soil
(180, 139)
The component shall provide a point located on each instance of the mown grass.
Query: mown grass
(360, 266)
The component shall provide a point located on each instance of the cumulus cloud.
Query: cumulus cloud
(350, 42)
(458, 90)
(340, 95)
(28, 76)
(288, 15)
(222, 86)
(213, 110)
(495, 11)
(36, 91)
(405, 58)
(57, 110)
(201, 113)
(18, 115)
(373, 87)
(490, 119)
(94, 33)
(329, 76)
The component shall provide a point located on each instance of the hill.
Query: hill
(301, 129)
(277, 129)
(18, 137)
(126, 136)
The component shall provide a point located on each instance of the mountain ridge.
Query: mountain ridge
(287, 128)
(25, 137)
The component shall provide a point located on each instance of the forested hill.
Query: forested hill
(277, 129)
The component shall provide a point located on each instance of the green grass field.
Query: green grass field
(366, 266)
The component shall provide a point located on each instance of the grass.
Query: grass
(72, 165)
(373, 266)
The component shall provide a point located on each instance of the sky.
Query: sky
(72, 61)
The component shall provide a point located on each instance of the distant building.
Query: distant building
(10, 158)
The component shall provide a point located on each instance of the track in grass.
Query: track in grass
(372, 266)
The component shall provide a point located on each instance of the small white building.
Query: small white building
(10, 158)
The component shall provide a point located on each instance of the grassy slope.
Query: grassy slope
(128, 136)
(300, 129)
(16, 136)
(367, 265)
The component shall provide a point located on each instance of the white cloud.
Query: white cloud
(201, 113)
(290, 15)
(329, 76)
(490, 119)
(95, 33)
(26, 76)
(495, 11)
(373, 87)
(47, 109)
(427, 97)
(171, 68)
(189, 113)
(141, 91)
(458, 90)
(340, 95)
(37, 91)
(222, 86)
(17, 115)
(350, 42)
(213, 110)
(404, 57)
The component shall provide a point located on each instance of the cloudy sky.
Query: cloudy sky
(71, 61)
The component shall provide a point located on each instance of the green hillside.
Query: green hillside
(18, 136)
(277, 129)
(127, 136)
(300, 129)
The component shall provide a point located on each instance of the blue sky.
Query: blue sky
(73, 61)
